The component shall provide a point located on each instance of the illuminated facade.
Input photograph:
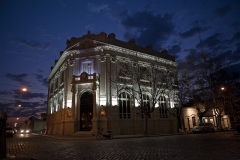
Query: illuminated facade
(190, 115)
(82, 100)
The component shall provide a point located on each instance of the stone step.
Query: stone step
(83, 133)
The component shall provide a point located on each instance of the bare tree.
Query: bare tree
(146, 82)
(201, 80)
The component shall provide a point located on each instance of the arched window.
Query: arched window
(146, 104)
(163, 107)
(124, 106)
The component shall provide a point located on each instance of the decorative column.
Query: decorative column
(73, 97)
(95, 115)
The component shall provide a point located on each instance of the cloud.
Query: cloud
(222, 12)
(40, 70)
(193, 31)
(236, 36)
(191, 51)
(27, 108)
(28, 95)
(32, 44)
(97, 7)
(211, 42)
(147, 28)
(235, 56)
(40, 78)
(235, 25)
(174, 50)
(89, 27)
(5, 93)
(18, 78)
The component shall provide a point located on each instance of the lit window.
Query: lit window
(163, 107)
(87, 67)
(124, 106)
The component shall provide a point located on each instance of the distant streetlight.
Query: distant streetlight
(24, 89)
(19, 105)
(17, 118)
(222, 88)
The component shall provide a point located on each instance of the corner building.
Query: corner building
(81, 96)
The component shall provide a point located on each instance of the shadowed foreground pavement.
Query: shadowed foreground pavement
(219, 145)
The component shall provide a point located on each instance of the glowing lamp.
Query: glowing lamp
(24, 89)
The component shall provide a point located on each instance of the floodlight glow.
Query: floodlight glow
(69, 103)
(114, 101)
(103, 101)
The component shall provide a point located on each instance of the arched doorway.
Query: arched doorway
(86, 111)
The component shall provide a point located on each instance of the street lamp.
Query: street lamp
(24, 89)
(222, 88)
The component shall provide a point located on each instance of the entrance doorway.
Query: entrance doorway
(86, 111)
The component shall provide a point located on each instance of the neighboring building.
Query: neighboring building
(190, 115)
(82, 100)
(34, 125)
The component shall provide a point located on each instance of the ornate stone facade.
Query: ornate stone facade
(81, 96)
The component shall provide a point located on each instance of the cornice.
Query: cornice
(73, 50)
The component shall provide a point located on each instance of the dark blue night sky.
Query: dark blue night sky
(32, 33)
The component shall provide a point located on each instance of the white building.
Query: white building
(190, 115)
(81, 96)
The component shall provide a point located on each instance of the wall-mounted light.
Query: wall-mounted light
(102, 112)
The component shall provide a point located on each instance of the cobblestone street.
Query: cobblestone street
(218, 145)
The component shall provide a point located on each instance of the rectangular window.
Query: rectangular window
(62, 77)
(87, 67)
(56, 84)
(52, 88)
(163, 107)
(124, 106)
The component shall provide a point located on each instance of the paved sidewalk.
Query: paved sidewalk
(89, 137)
(42, 146)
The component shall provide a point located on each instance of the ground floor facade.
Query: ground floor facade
(88, 116)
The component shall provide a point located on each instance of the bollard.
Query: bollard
(2, 138)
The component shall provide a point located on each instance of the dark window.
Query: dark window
(124, 106)
(62, 77)
(194, 121)
(56, 84)
(52, 88)
(163, 107)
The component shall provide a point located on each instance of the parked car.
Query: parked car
(9, 132)
(236, 125)
(203, 127)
